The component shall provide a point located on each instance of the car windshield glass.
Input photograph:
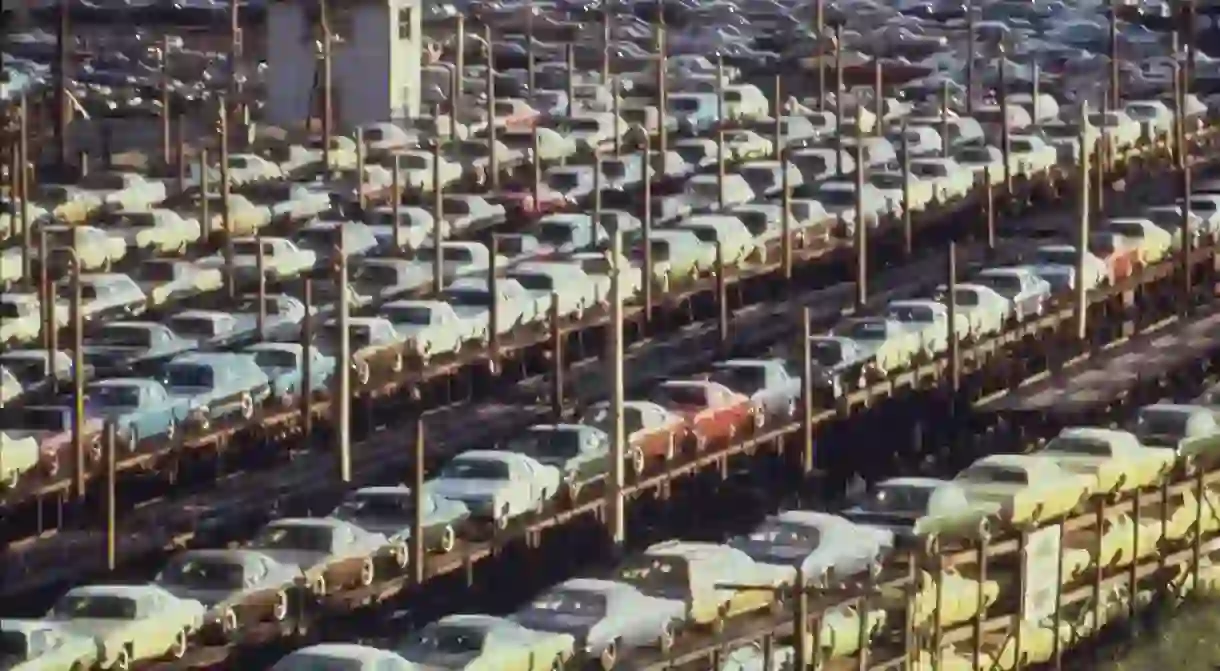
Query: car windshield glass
(911, 313)
(826, 353)
(37, 419)
(476, 298)
(837, 197)
(29, 370)
(100, 607)
(1163, 423)
(869, 330)
(563, 181)
(1060, 257)
(786, 534)
(742, 379)
(117, 335)
(195, 327)
(310, 537)
(1092, 447)
(274, 358)
(556, 232)
(657, 575)
(535, 281)
(188, 375)
(155, 271)
(13, 647)
(571, 602)
(1005, 285)
(475, 469)
(379, 504)
(114, 396)
(681, 395)
(547, 443)
(896, 499)
(452, 639)
(988, 473)
(415, 315)
(887, 180)
(209, 573)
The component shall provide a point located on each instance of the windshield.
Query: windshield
(13, 646)
(902, 499)
(1129, 229)
(275, 359)
(453, 639)
(382, 276)
(379, 505)
(683, 104)
(535, 281)
(974, 155)
(38, 419)
(188, 375)
(989, 473)
(912, 313)
(966, 297)
(657, 575)
(563, 181)
(691, 153)
(156, 271)
(117, 335)
(102, 607)
(114, 396)
(1061, 132)
(449, 254)
(556, 232)
(310, 537)
(415, 315)
(571, 602)
(787, 534)
(195, 327)
(1005, 285)
(929, 169)
(826, 353)
(476, 298)
(837, 197)
(869, 330)
(1061, 257)
(743, 379)
(887, 180)
(547, 443)
(27, 369)
(250, 247)
(1093, 447)
(681, 395)
(1162, 423)
(475, 469)
(209, 573)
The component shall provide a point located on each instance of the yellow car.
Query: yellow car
(1023, 488)
(487, 643)
(1117, 459)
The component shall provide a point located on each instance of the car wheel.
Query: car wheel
(318, 586)
(557, 664)
(368, 572)
(171, 430)
(247, 406)
(397, 367)
(637, 461)
(572, 488)
(122, 661)
(362, 371)
(448, 539)
(501, 521)
(179, 647)
(609, 656)
(228, 621)
(280, 610)
(11, 479)
(668, 635)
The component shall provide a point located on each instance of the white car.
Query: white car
(165, 279)
(708, 192)
(459, 258)
(281, 258)
(1119, 129)
(892, 183)
(599, 266)
(129, 623)
(497, 486)
(983, 161)
(20, 317)
(346, 656)
(985, 310)
(303, 203)
(416, 170)
(1054, 263)
(10, 216)
(248, 168)
(735, 240)
(930, 320)
(949, 178)
(1155, 117)
(1030, 155)
(472, 300)
(107, 293)
(431, 327)
(890, 345)
(96, 248)
(19, 454)
(69, 203)
(741, 145)
(157, 230)
(562, 282)
(124, 190)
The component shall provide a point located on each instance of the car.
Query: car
(1027, 292)
(96, 248)
(31, 645)
(888, 344)
(432, 328)
(211, 329)
(1176, 426)
(497, 486)
(582, 453)
(389, 510)
(107, 295)
(418, 171)
(1122, 258)
(371, 340)
(238, 587)
(156, 231)
(330, 553)
(600, 267)
(1030, 155)
(713, 412)
(688, 573)
(735, 241)
(985, 310)
(21, 318)
(459, 258)
(51, 426)
(656, 431)
(570, 232)
(21, 456)
(930, 320)
(1057, 265)
(1152, 243)
(216, 386)
(38, 372)
(282, 363)
(568, 285)
(608, 619)
(815, 545)
(472, 300)
(346, 656)
(141, 409)
(164, 280)
(282, 258)
(129, 624)
(893, 183)
(770, 384)
(487, 643)
(1024, 488)
(911, 507)
(385, 279)
(678, 257)
(951, 181)
(1117, 459)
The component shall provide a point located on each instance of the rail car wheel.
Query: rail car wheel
(609, 656)
(178, 648)
(368, 572)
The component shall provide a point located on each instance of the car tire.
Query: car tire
(637, 461)
(666, 640)
(608, 657)
(397, 366)
(10, 480)
(368, 572)
(247, 407)
(122, 661)
(229, 622)
(171, 430)
(178, 649)
(448, 539)
(280, 610)
(361, 368)
(318, 586)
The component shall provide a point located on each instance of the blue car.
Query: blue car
(217, 386)
(282, 363)
(142, 409)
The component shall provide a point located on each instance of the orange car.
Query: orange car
(657, 432)
(713, 412)
(1122, 259)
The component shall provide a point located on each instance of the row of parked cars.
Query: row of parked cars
(649, 601)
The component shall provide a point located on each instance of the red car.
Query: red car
(657, 432)
(518, 200)
(713, 412)
(1121, 259)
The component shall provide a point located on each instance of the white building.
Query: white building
(375, 61)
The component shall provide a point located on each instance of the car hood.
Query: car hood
(466, 489)
(302, 559)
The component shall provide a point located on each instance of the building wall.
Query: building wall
(375, 68)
